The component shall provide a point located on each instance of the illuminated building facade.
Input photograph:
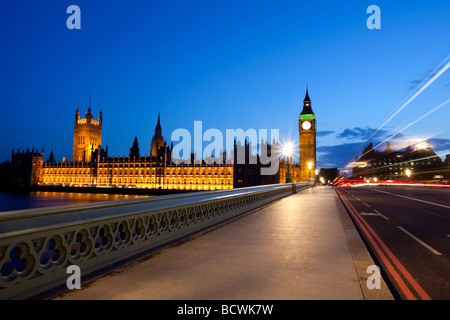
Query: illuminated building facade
(141, 172)
(91, 165)
(87, 137)
(307, 128)
(413, 163)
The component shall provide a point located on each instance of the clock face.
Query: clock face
(306, 125)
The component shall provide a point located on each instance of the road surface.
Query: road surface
(408, 231)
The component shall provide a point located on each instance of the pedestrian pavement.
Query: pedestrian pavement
(301, 247)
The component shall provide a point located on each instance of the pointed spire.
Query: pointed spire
(134, 150)
(158, 130)
(77, 114)
(307, 104)
(307, 95)
(90, 99)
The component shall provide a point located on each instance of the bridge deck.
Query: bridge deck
(300, 247)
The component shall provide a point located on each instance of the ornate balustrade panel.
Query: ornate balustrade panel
(36, 248)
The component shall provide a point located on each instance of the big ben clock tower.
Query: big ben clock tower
(307, 129)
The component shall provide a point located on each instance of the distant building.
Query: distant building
(414, 163)
(5, 174)
(25, 168)
(328, 174)
(248, 173)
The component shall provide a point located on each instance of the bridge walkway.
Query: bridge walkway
(301, 247)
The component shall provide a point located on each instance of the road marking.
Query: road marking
(376, 214)
(428, 202)
(381, 214)
(421, 242)
(369, 214)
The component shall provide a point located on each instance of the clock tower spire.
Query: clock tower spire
(307, 128)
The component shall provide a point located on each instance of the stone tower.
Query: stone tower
(307, 128)
(87, 136)
(158, 146)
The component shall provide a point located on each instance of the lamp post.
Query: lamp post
(322, 180)
(287, 150)
(310, 165)
(408, 173)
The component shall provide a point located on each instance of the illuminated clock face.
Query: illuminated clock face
(306, 125)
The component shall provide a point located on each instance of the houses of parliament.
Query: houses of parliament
(92, 167)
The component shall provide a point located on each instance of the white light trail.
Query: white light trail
(414, 122)
(426, 85)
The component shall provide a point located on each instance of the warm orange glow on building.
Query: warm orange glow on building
(143, 172)
(87, 136)
(307, 128)
(92, 167)
(89, 168)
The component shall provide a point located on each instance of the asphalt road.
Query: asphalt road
(408, 231)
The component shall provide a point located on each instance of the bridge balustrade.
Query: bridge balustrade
(38, 245)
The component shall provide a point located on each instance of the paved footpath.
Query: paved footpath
(301, 247)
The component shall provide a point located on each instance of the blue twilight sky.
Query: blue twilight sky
(230, 64)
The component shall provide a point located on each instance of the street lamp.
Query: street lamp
(408, 173)
(287, 150)
(310, 165)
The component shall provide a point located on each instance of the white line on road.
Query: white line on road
(365, 204)
(420, 241)
(368, 213)
(381, 214)
(428, 202)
